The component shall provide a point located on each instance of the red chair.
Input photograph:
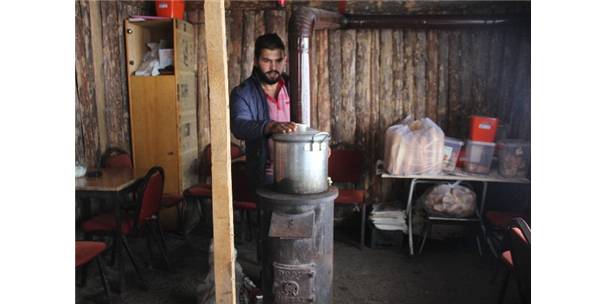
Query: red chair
(496, 225)
(346, 166)
(244, 199)
(203, 191)
(517, 259)
(144, 221)
(235, 152)
(115, 157)
(85, 253)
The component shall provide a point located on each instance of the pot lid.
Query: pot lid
(302, 133)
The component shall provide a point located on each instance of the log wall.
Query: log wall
(363, 81)
(102, 117)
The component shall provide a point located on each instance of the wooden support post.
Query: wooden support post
(223, 228)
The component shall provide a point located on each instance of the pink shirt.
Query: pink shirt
(279, 110)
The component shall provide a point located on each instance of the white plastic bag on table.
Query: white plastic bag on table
(414, 147)
(449, 200)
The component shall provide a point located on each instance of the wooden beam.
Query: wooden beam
(420, 62)
(323, 82)
(386, 103)
(334, 68)
(432, 69)
(248, 45)
(409, 73)
(347, 109)
(454, 84)
(85, 85)
(223, 228)
(235, 52)
(398, 75)
(443, 81)
(115, 94)
(362, 97)
(97, 47)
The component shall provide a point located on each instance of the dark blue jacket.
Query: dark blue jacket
(249, 115)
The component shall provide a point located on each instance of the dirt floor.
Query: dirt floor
(449, 271)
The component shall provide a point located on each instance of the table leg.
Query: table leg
(83, 211)
(482, 227)
(484, 190)
(409, 208)
(117, 199)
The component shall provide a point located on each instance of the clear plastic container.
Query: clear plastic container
(514, 157)
(452, 147)
(478, 156)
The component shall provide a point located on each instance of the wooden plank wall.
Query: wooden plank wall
(109, 82)
(363, 80)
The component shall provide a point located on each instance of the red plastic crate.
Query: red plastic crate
(170, 8)
(483, 128)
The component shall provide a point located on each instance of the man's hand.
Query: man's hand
(280, 127)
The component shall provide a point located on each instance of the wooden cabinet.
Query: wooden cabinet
(163, 118)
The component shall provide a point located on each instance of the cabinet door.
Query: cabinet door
(154, 126)
(186, 93)
(185, 55)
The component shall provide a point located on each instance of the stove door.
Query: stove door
(293, 283)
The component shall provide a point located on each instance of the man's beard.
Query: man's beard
(264, 78)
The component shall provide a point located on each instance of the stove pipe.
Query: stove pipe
(301, 26)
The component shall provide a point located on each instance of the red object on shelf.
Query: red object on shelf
(342, 6)
(461, 158)
(483, 128)
(170, 8)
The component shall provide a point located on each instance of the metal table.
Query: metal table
(458, 175)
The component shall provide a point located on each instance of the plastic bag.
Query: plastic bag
(449, 200)
(150, 63)
(414, 147)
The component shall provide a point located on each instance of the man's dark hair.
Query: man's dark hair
(268, 41)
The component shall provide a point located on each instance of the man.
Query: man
(260, 107)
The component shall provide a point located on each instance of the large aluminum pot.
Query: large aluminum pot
(301, 161)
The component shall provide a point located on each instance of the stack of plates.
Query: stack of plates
(389, 216)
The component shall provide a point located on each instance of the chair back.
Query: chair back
(115, 157)
(345, 165)
(236, 151)
(519, 234)
(242, 190)
(150, 194)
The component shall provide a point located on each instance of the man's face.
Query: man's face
(271, 64)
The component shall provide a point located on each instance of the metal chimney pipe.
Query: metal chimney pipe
(428, 21)
(301, 26)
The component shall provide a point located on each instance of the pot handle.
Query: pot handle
(313, 138)
(326, 135)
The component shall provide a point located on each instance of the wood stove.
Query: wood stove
(297, 246)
